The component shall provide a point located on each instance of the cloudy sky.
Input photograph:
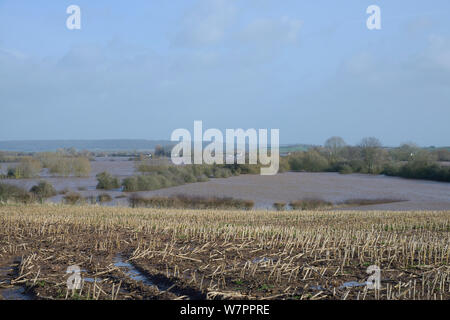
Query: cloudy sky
(140, 69)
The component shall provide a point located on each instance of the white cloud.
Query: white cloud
(272, 32)
(206, 23)
(439, 51)
(361, 63)
(8, 54)
(419, 24)
(221, 23)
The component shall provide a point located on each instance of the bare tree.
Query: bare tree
(371, 152)
(405, 152)
(334, 145)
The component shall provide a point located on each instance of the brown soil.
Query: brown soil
(155, 254)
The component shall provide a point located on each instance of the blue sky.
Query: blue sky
(140, 69)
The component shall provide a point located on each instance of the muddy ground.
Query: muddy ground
(154, 254)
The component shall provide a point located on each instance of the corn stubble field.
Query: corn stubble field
(129, 253)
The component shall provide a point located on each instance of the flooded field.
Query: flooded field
(120, 166)
(332, 187)
(265, 190)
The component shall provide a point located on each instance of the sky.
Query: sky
(141, 69)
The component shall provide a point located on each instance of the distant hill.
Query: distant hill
(91, 145)
(107, 145)
(295, 148)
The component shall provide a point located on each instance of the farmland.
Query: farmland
(127, 253)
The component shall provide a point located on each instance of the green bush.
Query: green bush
(27, 168)
(345, 169)
(81, 167)
(107, 182)
(163, 176)
(370, 157)
(419, 170)
(130, 184)
(43, 190)
(62, 165)
(15, 194)
(310, 161)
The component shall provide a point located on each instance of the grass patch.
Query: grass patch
(190, 202)
(368, 202)
(310, 204)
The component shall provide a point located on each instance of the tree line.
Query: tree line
(369, 156)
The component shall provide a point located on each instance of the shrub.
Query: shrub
(190, 202)
(345, 169)
(16, 194)
(81, 166)
(442, 154)
(310, 161)
(279, 206)
(418, 169)
(73, 198)
(366, 202)
(157, 177)
(310, 204)
(284, 164)
(248, 204)
(64, 191)
(27, 168)
(107, 182)
(61, 164)
(222, 173)
(43, 190)
(130, 184)
(104, 197)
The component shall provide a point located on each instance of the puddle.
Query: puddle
(162, 283)
(349, 284)
(318, 288)
(352, 284)
(133, 273)
(263, 260)
(92, 280)
(15, 293)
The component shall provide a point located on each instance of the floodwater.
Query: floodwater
(15, 293)
(133, 273)
(8, 291)
(265, 190)
(332, 187)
